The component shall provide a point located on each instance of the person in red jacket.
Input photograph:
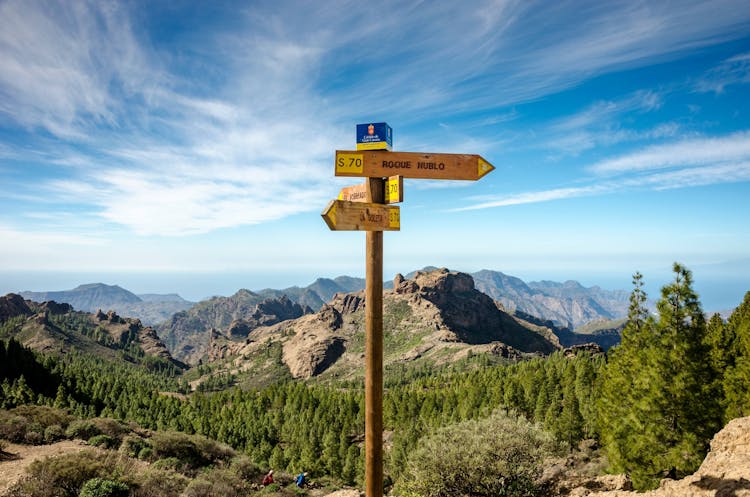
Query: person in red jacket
(268, 479)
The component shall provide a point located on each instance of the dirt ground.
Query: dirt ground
(16, 458)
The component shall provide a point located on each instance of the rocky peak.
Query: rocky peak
(348, 303)
(13, 305)
(55, 308)
(469, 315)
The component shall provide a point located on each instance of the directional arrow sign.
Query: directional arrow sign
(354, 193)
(379, 164)
(394, 191)
(342, 215)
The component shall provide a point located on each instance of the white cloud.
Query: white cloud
(685, 153)
(149, 145)
(691, 163)
(735, 70)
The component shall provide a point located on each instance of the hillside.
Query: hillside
(57, 329)
(434, 318)
(187, 333)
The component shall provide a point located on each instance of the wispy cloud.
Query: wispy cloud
(147, 145)
(735, 70)
(684, 153)
(684, 164)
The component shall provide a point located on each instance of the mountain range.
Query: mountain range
(434, 318)
(92, 297)
(567, 304)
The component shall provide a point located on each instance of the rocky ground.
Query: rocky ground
(724, 473)
(16, 458)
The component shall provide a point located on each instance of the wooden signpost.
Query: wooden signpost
(343, 215)
(377, 164)
(394, 191)
(364, 208)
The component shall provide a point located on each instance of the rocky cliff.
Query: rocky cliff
(435, 317)
(187, 333)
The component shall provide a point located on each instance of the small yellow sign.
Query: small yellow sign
(349, 163)
(394, 190)
(394, 219)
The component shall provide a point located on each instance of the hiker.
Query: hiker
(301, 479)
(268, 479)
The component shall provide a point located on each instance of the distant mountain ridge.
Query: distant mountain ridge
(91, 297)
(57, 328)
(567, 304)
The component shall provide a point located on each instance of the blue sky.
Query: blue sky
(158, 140)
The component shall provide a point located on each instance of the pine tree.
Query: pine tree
(658, 406)
(736, 381)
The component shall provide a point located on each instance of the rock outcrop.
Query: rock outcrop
(725, 471)
(187, 333)
(13, 305)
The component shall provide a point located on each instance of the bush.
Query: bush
(82, 429)
(12, 427)
(60, 476)
(146, 454)
(132, 445)
(159, 483)
(33, 438)
(53, 433)
(99, 487)
(193, 451)
(501, 455)
(104, 441)
(29, 424)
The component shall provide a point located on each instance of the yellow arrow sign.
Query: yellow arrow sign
(394, 191)
(342, 215)
(379, 164)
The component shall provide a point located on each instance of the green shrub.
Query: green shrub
(193, 451)
(82, 429)
(132, 445)
(104, 441)
(33, 438)
(53, 433)
(99, 487)
(146, 454)
(12, 427)
(44, 416)
(501, 455)
(61, 476)
(168, 463)
(156, 482)
(217, 483)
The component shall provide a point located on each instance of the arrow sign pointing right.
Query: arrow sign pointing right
(379, 164)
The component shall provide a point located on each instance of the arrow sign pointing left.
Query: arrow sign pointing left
(342, 215)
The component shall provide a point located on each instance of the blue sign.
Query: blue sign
(374, 136)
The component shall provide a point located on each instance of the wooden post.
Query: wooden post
(374, 350)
